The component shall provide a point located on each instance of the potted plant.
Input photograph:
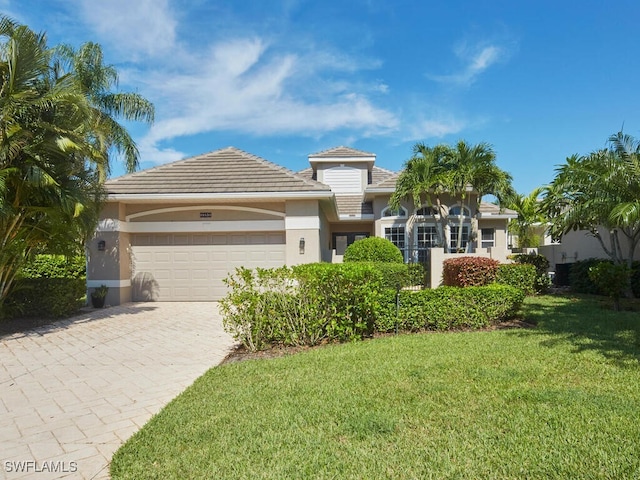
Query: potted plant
(98, 296)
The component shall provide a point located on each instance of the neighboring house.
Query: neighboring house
(174, 232)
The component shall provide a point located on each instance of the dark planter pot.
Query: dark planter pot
(97, 302)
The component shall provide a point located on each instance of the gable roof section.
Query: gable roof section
(226, 171)
(342, 151)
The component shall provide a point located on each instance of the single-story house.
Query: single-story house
(174, 232)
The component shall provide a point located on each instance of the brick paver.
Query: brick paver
(71, 393)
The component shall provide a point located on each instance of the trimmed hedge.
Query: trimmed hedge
(373, 249)
(311, 304)
(303, 305)
(521, 276)
(49, 286)
(451, 308)
(46, 297)
(469, 271)
(541, 264)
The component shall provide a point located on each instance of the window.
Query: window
(397, 237)
(454, 237)
(426, 212)
(426, 237)
(455, 211)
(391, 212)
(488, 237)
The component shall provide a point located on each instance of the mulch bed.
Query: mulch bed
(240, 353)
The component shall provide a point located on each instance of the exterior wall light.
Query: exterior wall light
(102, 246)
(301, 245)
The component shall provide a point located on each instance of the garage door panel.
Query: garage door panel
(188, 270)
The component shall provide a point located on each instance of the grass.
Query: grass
(558, 401)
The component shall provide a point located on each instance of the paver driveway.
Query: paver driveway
(73, 392)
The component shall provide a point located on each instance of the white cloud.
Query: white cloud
(240, 86)
(477, 59)
(436, 127)
(136, 28)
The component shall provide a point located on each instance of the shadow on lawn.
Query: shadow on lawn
(589, 323)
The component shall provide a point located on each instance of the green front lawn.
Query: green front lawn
(558, 401)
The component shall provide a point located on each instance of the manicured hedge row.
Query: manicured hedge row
(469, 271)
(310, 304)
(450, 308)
(517, 275)
(46, 297)
(49, 286)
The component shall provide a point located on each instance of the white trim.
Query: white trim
(111, 225)
(383, 216)
(109, 283)
(497, 216)
(204, 207)
(367, 217)
(190, 197)
(302, 223)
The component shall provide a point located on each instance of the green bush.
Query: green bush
(303, 305)
(447, 308)
(469, 271)
(521, 276)
(46, 297)
(417, 274)
(54, 266)
(48, 286)
(393, 275)
(611, 279)
(541, 264)
(373, 249)
(579, 279)
(635, 279)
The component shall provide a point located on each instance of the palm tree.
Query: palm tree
(600, 193)
(44, 143)
(472, 169)
(97, 80)
(529, 213)
(423, 175)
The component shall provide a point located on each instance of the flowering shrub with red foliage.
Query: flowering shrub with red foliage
(469, 271)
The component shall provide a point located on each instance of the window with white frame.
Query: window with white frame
(455, 230)
(394, 212)
(426, 236)
(396, 235)
(488, 237)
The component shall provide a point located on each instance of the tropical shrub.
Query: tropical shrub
(518, 275)
(448, 308)
(49, 286)
(417, 274)
(393, 275)
(373, 249)
(611, 279)
(469, 271)
(541, 264)
(579, 279)
(303, 305)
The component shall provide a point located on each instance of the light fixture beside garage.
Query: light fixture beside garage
(301, 245)
(102, 245)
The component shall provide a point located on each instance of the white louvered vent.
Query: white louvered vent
(343, 179)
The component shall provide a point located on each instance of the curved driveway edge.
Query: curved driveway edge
(71, 393)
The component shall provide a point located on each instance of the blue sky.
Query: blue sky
(538, 80)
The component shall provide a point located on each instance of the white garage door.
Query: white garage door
(191, 267)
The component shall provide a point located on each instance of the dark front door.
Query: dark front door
(342, 240)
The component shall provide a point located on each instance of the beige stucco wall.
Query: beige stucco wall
(303, 221)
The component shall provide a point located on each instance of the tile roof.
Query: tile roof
(228, 170)
(492, 209)
(388, 182)
(342, 151)
(353, 206)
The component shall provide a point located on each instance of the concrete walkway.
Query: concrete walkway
(71, 393)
